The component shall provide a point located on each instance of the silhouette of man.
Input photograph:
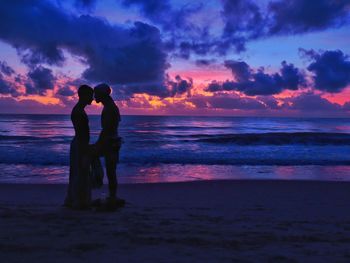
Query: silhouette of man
(79, 191)
(108, 143)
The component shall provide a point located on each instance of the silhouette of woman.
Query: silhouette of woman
(79, 189)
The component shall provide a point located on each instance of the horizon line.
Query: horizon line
(175, 115)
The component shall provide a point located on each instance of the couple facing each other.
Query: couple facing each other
(82, 153)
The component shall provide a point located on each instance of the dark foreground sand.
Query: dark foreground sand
(211, 221)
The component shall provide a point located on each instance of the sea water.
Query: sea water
(35, 148)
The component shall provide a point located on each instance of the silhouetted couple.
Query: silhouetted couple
(82, 154)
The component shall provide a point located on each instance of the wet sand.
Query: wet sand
(202, 221)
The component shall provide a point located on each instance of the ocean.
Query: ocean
(35, 148)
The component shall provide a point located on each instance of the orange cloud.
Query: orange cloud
(203, 75)
(339, 98)
(46, 100)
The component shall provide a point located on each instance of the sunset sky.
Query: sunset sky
(178, 57)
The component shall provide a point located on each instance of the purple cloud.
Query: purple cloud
(312, 102)
(40, 79)
(246, 20)
(300, 16)
(85, 4)
(7, 88)
(331, 69)
(65, 91)
(6, 69)
(259, 83)
(113, 54)
(226, 101)
(243, 21)
(205, 62)
(180, 86)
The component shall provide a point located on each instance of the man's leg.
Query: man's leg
(111, 159)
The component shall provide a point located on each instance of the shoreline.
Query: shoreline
(195, 181)
(135, 174)
(222, 220)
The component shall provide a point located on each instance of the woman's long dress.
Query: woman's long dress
(79, 188)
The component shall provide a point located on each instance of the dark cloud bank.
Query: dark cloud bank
(134, 58)
(40, 31)
(244, 20)
(330, 72)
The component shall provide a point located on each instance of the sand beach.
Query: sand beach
(201, 221)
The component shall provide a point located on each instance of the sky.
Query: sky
(178, 57)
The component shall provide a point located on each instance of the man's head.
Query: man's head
(102, 91)
(86, 94)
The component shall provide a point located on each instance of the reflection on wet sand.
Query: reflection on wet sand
(181, 173)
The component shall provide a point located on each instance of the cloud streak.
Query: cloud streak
(258, 82)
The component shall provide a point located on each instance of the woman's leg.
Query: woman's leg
(111, 170)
